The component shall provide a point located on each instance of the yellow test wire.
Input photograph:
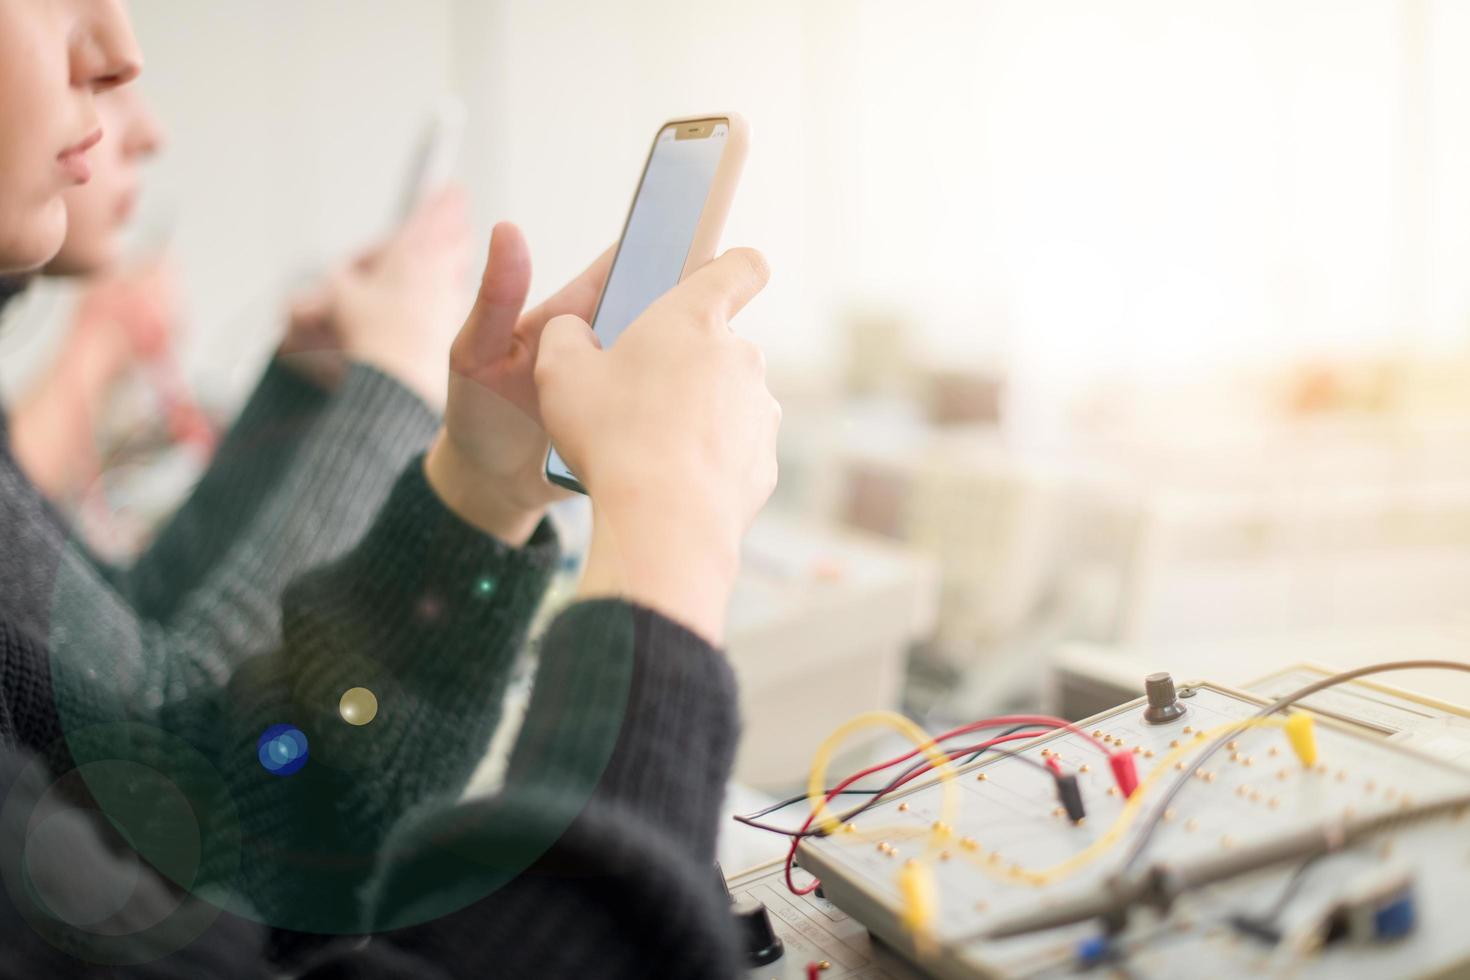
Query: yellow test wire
(1114, 834)
(816, 793)
(915, 881)
(920, 902)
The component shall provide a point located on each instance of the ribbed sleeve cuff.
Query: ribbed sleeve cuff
(621, 683)
(428, 615)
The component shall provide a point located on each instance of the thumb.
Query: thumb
(566, 341)
(491, 325)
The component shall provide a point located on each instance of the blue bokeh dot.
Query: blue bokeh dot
(282, 750)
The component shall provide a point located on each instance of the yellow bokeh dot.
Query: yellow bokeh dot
(358, 706)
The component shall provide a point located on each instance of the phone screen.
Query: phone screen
(660, 230)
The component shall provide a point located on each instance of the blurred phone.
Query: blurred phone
(673, 227)
(435, 156)
(430, 166)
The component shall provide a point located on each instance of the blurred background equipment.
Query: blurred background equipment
(835, 612)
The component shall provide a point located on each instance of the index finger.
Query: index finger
(721, 288)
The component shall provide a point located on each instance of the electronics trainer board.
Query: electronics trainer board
(1388, 904)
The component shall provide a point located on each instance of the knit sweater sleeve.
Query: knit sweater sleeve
(108, 658)
(427, 614)
(251, 461)
(320, 507)
(49, 925)
(596, 858)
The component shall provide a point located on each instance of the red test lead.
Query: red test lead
(1124, 772)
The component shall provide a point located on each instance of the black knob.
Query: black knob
(762, 945)
(1163, 703)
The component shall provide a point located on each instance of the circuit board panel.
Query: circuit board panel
(1007, 849)
(814, 931)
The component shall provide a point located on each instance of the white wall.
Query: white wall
(290, 127)
(1074, 189)
(1145, 185)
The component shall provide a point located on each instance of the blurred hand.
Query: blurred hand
(673, 433)
(311, 345)
(397, 306)
(122, 321)
(123, 318)
(489, 462)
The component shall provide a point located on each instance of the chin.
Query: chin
(82, 260)
(34, 241)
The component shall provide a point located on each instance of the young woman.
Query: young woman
(228, 741)
(124, 319)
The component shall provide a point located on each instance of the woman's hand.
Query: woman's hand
(312, 346)
(673, 433)
(395, 307)
(488, 462)
(124, 319)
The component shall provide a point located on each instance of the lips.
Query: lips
(73, 159)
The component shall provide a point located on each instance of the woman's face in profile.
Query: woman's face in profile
(54, 54)
(98, 211)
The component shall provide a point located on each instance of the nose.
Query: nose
(145, 136)
(105, 53)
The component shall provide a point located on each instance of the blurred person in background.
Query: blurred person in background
(288, 581)
(125, 314)
(128, 316)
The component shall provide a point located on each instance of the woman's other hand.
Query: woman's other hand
(123, 319)
(397, 306)
(488, 463)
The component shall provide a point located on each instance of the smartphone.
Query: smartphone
(435, 155)
(673, 227)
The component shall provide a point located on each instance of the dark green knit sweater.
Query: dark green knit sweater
(151, 689)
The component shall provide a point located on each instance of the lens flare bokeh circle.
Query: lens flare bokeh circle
(282, 749)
